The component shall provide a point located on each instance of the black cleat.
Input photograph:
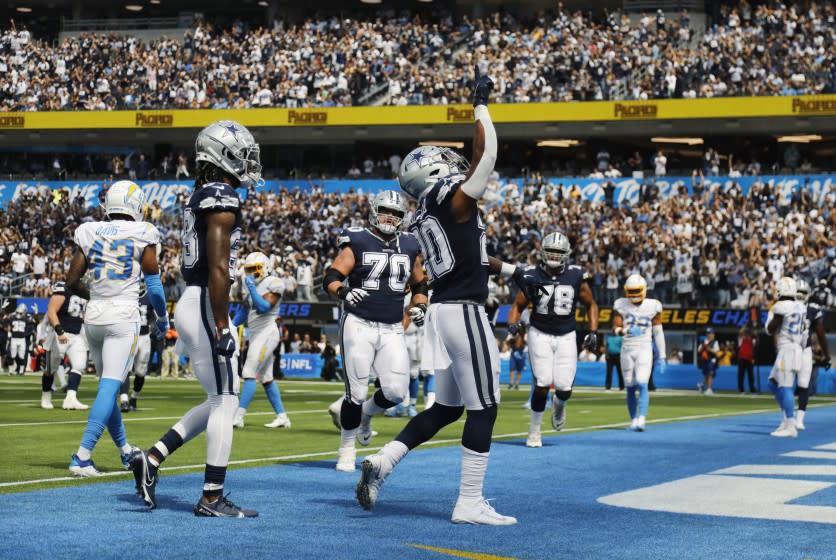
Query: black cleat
(222, 508)
(124, 406)
(145, 476)
(132, 403)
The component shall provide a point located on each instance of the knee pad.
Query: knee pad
(538, 399)
(350, 414)
(564, 395)
(386, 401)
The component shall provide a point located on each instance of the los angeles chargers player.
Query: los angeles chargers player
(263, 296)
(814, 322)
(379, 262)
(21, 328)
(115, 253)
(552, 343)
(65, 314)
(457, 345)
(227, 157)
(639, 320)
(143, 354)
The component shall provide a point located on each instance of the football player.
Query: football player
(20, 323)
(65, 314)
(227, 157)
(552, 343)
(457, 345)
(143, 354)
(786, 323)
(814, 321)
(379, 262)
(638, 319)
(115, 252)
(263, 296)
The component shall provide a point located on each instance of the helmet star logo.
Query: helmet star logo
(232, 130)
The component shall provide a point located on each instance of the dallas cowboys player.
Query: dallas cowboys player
(115, 252)
(263, 296)
(379, 262)
(227, 157)
(143, 355)
(456, 342)
(21, 326)
(814, 321)
(552, 344)
(639, 321)
(786, 322)
(65, 313)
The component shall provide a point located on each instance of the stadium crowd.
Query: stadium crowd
(770, 49)
(712, 248)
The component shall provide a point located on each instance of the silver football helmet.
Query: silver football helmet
(555, 250)
(802, 289)
(387, 222)
(231, 147)
(21, 309)
(425, 165)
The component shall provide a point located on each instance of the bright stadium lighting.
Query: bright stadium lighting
(264, 3)
(133, 7)
(562, 143)
(800, 138)
(153, 1)
(442, 144)
(23, 9)
(677, 140)
(371, 1)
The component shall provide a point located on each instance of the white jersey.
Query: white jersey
(640, 316)
(256, 321)
(793, 325)
(114, 253)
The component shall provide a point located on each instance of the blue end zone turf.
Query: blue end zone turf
(583, 495)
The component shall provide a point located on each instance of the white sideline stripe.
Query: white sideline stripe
(827, 447)
(811, 455)
(812, 470)
(369, 449)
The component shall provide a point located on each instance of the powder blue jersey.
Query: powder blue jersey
(554, 311)
(383, 269)
(455, 254)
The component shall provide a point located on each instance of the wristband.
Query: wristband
(59, 330)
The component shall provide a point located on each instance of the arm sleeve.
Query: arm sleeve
(475, 186)
(156, 294)
(261, 305)
(240, 315)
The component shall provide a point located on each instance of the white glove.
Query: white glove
(352, 296)
(418, 313)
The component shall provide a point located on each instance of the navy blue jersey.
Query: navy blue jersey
(146, 315)
(22, 325)
(71, 314)
(554, 312)
(382, 268)
(455, 254)
(814, 315)
(212, 197)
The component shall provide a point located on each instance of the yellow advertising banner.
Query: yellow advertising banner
(592, 111)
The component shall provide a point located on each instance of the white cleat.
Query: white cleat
(640, 423)
(534, 440)
(634, 425)
(781, 426)
(281, 421)
(238, 421)
(479, 512)
(375, 468)
(709, 392)
(365, 435)
(788, 431)
(347, 459)
(72, 403)
(46, 401)
(799, 425)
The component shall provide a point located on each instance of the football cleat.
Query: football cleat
(365, 434)
(788, 431)
(126, 457)
(222, 508)
(412, 411)
(799, 424)
(132, 403)
(238, 421)
(534, 440)
(375, 469)
(72, 403)
(145, 476)
(46, 401)
(640, 424)
(281, 421)
(558, 414)
(634, 425)
(395, 411)
(84, 469)
(347, 459)
(124, 406)
(479, 512)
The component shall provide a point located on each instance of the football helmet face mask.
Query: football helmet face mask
(802, 290)
(257, 265)
(635, 288)
(787, 288)
(127, 199)
(21, 309)
(555, 250)
(387, 211)
(230, 146)
(425, 165)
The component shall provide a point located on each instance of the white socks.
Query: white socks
(347, 438)
(536, 421)
(474, 466)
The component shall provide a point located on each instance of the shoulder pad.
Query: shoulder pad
(216, 197)
(347, 235)
(59, 288)
(445, 188)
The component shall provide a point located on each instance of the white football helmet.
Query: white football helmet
(21, 309)
(257, 265)
(387, 222)
(230, 146)
(125, 198)
(425, 165)
(786, 288)
(802, 289)
(635, 288)
(555, 250)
